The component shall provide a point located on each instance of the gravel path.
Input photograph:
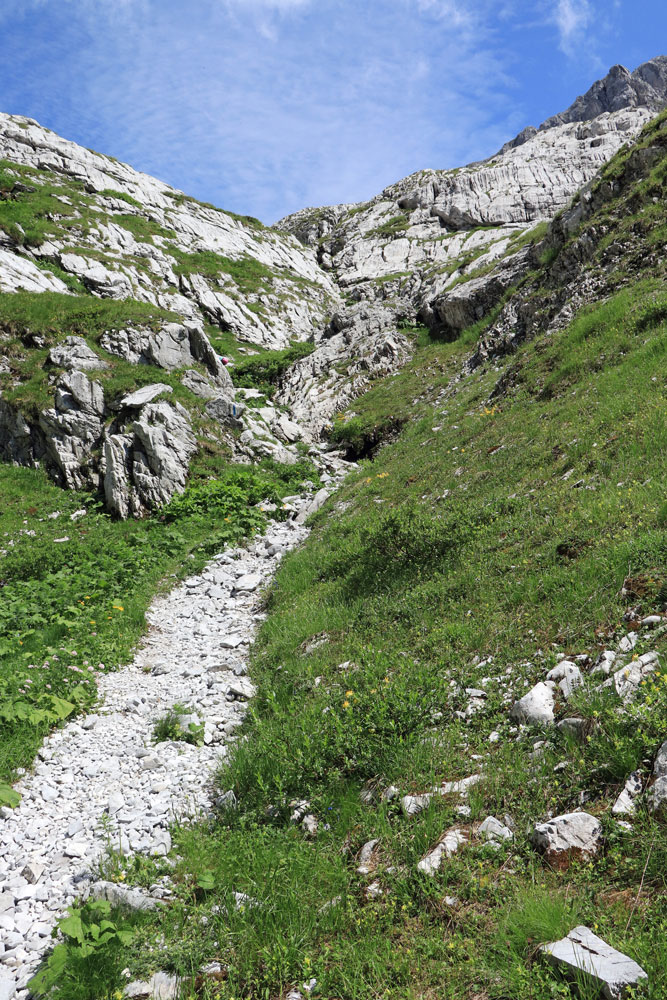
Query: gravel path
(104, 770)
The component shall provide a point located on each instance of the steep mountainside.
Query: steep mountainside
(118, 294)
(444, 247)
(451, 781)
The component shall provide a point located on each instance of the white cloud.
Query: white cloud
(448, 10)
(571, 18)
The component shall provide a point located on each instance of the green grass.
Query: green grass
(476, 547)
(69, 606)
(33, 215)
(493, 533)
(392, 227)
(249, 274)
(264, 371)
(142, 227)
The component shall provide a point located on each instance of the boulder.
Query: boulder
(583, 953)
(225, 409)
(198, 385)
(73, 428)
(566, 837)
(535, 708)
(146, 467)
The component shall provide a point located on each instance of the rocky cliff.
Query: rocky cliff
(443, 247)
(119, 294)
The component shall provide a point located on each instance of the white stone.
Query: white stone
(535, 708)
(583, 952)
(445, 848)
(577, 832)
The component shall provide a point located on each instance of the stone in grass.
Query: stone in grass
(584, 955)
(625, 803)
(446, 847)
(568, 676)
(567, 837)
(535, 708)
(657, 797)
(161, 986)
(660, 765)
(121, 895)
(493, 829)
(366, 857)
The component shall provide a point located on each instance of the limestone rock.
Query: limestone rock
(139, 398)
(660, 764)
(445, 848)
(568, 676)
(74, 353)
(146, 467)
(625, 803)
(568, 836)
(493, 829)
(73, 427)
(8, 985)
(582, 952)
(21, 274)
(121, 895)
(535, 708)
(657, 796)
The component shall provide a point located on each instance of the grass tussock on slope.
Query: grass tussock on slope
(487, 538)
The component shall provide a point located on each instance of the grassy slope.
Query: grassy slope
(500, 530)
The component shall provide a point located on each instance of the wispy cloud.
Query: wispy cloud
(265, 106)
(572, 19)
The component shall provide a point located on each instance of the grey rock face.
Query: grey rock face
(646, 87)
(74, 353)
(583, 952)
(73, 427)
(147, 466)
(19, 273)
(295, 298)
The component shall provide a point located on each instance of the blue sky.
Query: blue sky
(267, 106)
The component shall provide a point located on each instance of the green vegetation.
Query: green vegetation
(249, 274)
(170, 727)
(392, 227)
(32, 207)
(89, 958)
(142, 228)
(74, 593)
(462, 539)
(120, 195)
(264, 371)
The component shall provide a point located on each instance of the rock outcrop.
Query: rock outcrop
(123, 234)
(441, 248)
(444, 247)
